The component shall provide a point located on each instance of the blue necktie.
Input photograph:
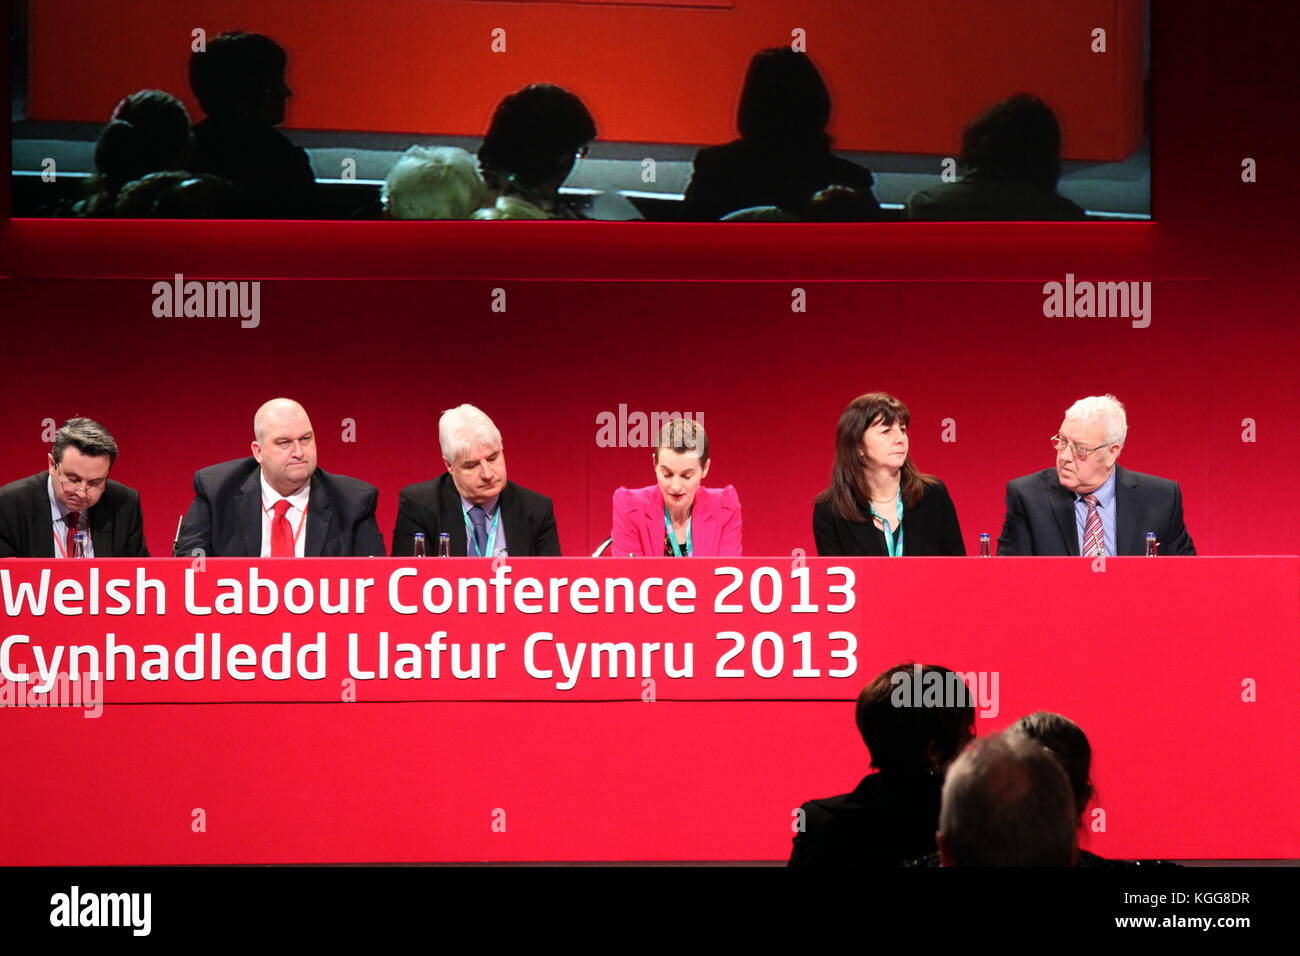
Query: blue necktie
(479, 517)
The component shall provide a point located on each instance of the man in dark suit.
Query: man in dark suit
(482, 512)
(1087, 505)
(41, 515)
(278, 503)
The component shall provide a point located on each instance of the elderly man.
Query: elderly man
(482, 512)
(40, 516)
(1006, 802)
(278, 504)
(1087, 505)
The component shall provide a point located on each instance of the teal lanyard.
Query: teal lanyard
(471, 547)
(895, 551)
(672, 536)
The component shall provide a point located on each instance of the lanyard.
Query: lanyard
(471, 546)
(672, 536)
(895, 551)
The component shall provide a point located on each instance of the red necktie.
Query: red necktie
(71, 519)
(1094, 541)
(281, 533)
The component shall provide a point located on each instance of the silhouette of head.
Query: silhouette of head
(903, 736)
(784, 99)
(241, 76)
(534, 138)
(148, 132)
(1067, 740)
(1018, 140)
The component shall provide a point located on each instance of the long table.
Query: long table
(373, 709)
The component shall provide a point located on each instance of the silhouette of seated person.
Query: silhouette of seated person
(783, 155)
(1011, 162)
(536, 136)
(148, 132)
(239, 83)
(893, 814)
(1069, 744)
(181, 195)
(440, 182)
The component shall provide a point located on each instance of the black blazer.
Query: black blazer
(225, 518)
(929, 529)
(434, 506)
(27, 531)
(1040, 516)
(742, 174)
(888, 819)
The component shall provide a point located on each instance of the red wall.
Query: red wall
(905, 74)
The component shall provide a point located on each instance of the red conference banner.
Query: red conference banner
(1181, 671)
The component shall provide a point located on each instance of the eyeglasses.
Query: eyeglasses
(90, 485)
(1078, 451)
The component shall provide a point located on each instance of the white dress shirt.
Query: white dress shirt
(297, 515)
(58, 517)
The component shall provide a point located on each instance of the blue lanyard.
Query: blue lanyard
(471, 547)
(672, 536)
(895, 551)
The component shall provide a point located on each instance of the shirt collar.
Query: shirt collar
(489, 507)
(298, 500)
(1105, 494)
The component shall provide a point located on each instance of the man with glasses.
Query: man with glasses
(41, 516)
(1088, 505)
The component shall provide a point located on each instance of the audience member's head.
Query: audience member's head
(1067, 740)
(179, 195)
(842, 204)
(904, 735)
(1006, 802)
(784, 100)
(536, 135)
(240, 76)
(149, 131)
(433, 183)
(1016, 140)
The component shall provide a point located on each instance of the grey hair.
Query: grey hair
(1007, 802)
(461, 427)
(1104, 410)
(87, 436)
(439, 182)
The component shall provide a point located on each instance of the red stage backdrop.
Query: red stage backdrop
(905, 74)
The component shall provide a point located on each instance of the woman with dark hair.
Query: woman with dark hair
(1011, 157)
(877, 502)
(149, 132)
(783, 155)
(536, 136)
(892, 815)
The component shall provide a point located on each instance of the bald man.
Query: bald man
(278, 503)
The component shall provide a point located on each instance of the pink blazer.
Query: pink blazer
(639, 522)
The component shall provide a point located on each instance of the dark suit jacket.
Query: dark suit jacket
(929, 529)
(225, 518)
(888, 819)
(742, 174)
(27, 531)
(1040, 516)
(434, 507)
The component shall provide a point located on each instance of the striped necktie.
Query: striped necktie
(1094, 541)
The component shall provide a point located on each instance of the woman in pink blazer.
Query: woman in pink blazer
(677, 517)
